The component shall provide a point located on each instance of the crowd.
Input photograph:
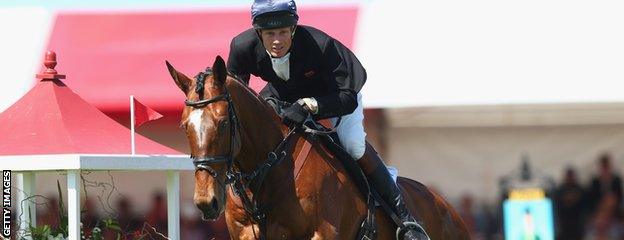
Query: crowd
(591, 211)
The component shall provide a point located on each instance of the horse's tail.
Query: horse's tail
(439, 218)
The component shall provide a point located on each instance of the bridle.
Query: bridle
(240, 181)
(204, 163)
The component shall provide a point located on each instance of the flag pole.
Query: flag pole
(132, 123)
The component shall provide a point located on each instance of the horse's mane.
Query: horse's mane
(234, 83)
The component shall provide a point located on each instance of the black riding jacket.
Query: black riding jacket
(320, 67)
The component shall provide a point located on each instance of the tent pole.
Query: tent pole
(132, 123)
(73, 204)
(26, 209)
(173, 204)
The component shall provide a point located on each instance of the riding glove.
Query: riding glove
(295, 114)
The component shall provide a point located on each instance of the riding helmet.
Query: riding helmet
(268, 14)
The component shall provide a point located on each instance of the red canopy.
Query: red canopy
(112, 55)
(52, 119)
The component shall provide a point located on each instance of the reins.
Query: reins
(239, 181)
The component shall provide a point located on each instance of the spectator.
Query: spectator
(157, 215)
(607, 222)
(191, 226)
(604, 183)
(50, 215)
(129, 222)
(89, 216)
(569, 204)
(474, 222)
(194, 228)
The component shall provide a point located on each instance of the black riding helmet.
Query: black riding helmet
(269, 14)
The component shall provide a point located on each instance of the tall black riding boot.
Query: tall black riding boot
(379, 176)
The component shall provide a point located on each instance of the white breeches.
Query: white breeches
(351, 131)
(352, 136)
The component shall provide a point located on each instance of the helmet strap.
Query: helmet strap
(294, 28)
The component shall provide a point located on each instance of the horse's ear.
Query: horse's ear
(219, 70)
(179, 78)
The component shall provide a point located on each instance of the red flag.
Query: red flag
(143, 114)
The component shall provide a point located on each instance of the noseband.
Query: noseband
(240, 181)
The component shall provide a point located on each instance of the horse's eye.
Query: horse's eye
(223, 124)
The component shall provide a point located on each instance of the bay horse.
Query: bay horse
(287, 195)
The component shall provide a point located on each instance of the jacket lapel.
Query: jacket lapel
(296, 61)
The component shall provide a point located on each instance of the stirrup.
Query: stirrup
(410, 225)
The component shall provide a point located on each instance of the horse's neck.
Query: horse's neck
(260, 133)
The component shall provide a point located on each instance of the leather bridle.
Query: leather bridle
(240, 181)
(204, 163)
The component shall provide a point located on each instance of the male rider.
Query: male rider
(322, 77)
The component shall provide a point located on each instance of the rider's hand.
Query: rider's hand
(295, 114)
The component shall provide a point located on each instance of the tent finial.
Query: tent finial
(50, 73)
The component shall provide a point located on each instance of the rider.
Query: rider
(322, 77)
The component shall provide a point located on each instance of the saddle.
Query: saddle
(329, 138)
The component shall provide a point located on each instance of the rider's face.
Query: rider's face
(277, 41)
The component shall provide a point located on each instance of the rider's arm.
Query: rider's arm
(346, 71)
(237, 63)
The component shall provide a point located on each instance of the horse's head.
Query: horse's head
(210, 123)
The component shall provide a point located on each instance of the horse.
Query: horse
(277, 189)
